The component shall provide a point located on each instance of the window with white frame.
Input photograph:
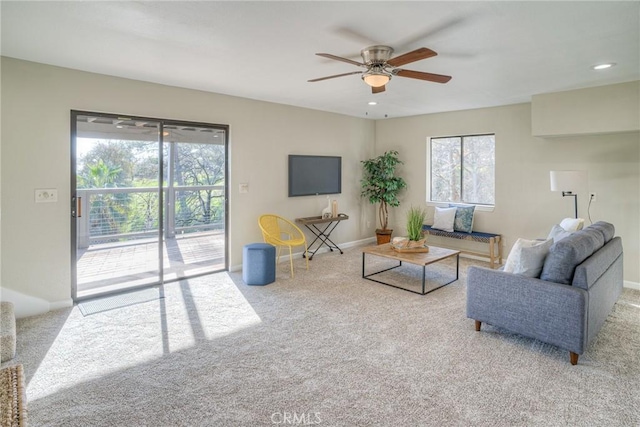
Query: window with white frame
(461, 169)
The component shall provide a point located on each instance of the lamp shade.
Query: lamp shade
(375, 79)
(566, 180)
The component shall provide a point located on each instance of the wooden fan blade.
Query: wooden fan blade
(339, 58)
(377, 89)
(430, 77)
(356, 37)
(414, 55)
(334, 76)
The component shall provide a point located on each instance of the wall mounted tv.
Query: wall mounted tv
(313, 175)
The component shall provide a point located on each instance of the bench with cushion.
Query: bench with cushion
(493, 240)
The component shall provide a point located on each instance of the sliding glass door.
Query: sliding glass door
(149, 201)
(195, 234)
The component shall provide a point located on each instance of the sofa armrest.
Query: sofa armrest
(547, 311)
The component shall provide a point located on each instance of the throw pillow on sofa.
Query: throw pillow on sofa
(572, 224)
(558, 233)
(443, 219)
(527, 257)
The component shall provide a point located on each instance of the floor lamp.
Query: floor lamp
(567, 182)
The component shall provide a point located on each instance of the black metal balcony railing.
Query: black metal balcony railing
(120, 214)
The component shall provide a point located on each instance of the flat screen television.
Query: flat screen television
(313, 175)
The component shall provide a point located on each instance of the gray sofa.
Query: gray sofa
(581, 281)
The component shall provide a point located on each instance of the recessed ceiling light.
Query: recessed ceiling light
(373, 103)
(603, 66)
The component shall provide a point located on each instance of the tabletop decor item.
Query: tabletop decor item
(415, 240)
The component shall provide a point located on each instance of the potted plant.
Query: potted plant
(415, 240)
(415, 221)
(381, 185)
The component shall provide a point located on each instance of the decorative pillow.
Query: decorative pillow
(558, 233)
(572, 224)
(527, 257)
(464, 217)
(443, 219)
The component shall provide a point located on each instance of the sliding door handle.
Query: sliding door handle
(73, 206)
(76, 207)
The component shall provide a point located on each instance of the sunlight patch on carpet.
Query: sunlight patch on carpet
(99, 347)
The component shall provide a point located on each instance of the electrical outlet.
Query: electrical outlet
(46, 195)
(593, 197)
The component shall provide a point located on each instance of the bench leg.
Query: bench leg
(478, 325)
(492, 242)
(500, 250)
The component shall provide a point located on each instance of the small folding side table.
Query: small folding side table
(322, 229)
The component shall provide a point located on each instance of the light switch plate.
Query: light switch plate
(46, 195)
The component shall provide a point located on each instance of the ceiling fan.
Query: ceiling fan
(380, 67)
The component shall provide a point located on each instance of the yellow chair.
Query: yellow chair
(279, 232)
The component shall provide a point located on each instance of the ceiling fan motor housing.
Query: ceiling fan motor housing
(374, 55)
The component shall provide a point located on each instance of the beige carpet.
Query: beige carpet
(13, 411)
(325, 348)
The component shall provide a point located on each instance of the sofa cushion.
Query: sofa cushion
(565, 255)
(590, 271)
(607, 230)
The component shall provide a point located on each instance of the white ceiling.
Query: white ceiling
(497, 52)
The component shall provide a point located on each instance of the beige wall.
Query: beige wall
(36, 104)
(525, 207)
(596, 110)
(37, 99)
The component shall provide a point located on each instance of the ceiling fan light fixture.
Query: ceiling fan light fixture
(374, 79)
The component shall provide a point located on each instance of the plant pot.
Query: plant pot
(403, 244)
(383, 236)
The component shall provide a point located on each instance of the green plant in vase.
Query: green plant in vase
(414, 242)
(415, 220)
(380, 184)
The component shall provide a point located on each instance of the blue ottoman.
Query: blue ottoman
(259, 264)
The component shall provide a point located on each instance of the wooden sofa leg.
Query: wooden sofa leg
(573, 357)
(479, 323)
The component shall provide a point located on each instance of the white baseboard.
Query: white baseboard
(57, 305)
(27, 305)
(631, 285)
